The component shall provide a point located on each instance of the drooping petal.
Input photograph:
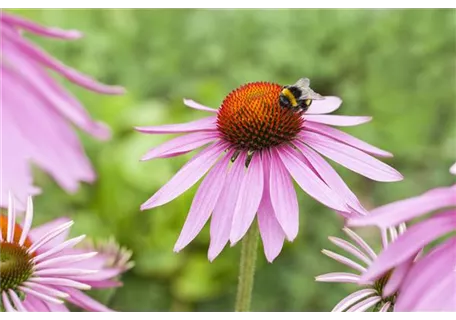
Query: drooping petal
(56, 97)
(204, 124)
(203, 203)
(248, 201)
(45, 59)
(84, 301)
(181, 145)
(336, 120)
(385, 307)
(345, 138)
(37, 29)
(350, 248)
(198, 106)
(331, 177)
(186, 177)
(6, 303)
(343, 260)
(16, 301)
(37, 233)
(351, 158)
(425, 274)
(398, 274)
(283, 197)
(394, 213)
(352, 299)
(271, 232)
(44, 135)
(410, 242)
(343, 277)
(326, 105)
(367, 249)
(222, 217)
(365, 304)
(307, 179)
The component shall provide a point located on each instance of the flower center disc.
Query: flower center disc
(16, 265)
(251, 117)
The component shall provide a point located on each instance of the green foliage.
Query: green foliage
(396, 65)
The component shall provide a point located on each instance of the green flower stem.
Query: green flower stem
(247, 269)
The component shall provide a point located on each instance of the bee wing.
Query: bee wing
(303, 83)
(313, 95)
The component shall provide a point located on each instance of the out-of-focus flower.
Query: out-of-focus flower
(255, 148)
(40, 269)
(37, 113)
(372, 294)
(426, 283)
(453, 169)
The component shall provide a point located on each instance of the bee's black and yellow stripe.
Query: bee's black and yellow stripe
(290, 96)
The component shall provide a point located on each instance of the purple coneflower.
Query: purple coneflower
(40, 269)
(372, 295)
(37, 113)
(255, 148)
(425, 281)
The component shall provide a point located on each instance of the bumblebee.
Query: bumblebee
(298, 96)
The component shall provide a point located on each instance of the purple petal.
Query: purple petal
(6, 303)
(350, 248)
(248, 201)
(283, 198)
(307, 179)
(326, 105)
(397, 276)
(352, 299)
(55, 96)
(36, 53)
(44, 136)
(385, 307)
(365, 304)
(331, 177)
(345, 138)
(222, 217)
(425, 275)
(16, 301)
(343, 260)
(197, 106)
(37, 29)
(271, 232)
(394, 213)
(203, 203)
(180, 145)
(204, 124)
(418, 236)
(342, 121)
(351, 158)
(355, 237)
(343, 277)
(85, 302)
(190, 173)
(39, 232)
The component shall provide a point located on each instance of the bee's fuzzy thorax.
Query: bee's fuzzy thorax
(251, 118)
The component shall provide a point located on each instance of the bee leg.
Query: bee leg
(235, 155)
(249, 158)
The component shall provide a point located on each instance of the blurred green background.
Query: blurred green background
(396, 65)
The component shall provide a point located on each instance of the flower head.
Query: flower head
(38, 113)
(372, 295)
(425, 277)
(40, 269)
(254, 149)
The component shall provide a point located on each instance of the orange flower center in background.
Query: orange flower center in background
(16, 265)
(251, 118)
